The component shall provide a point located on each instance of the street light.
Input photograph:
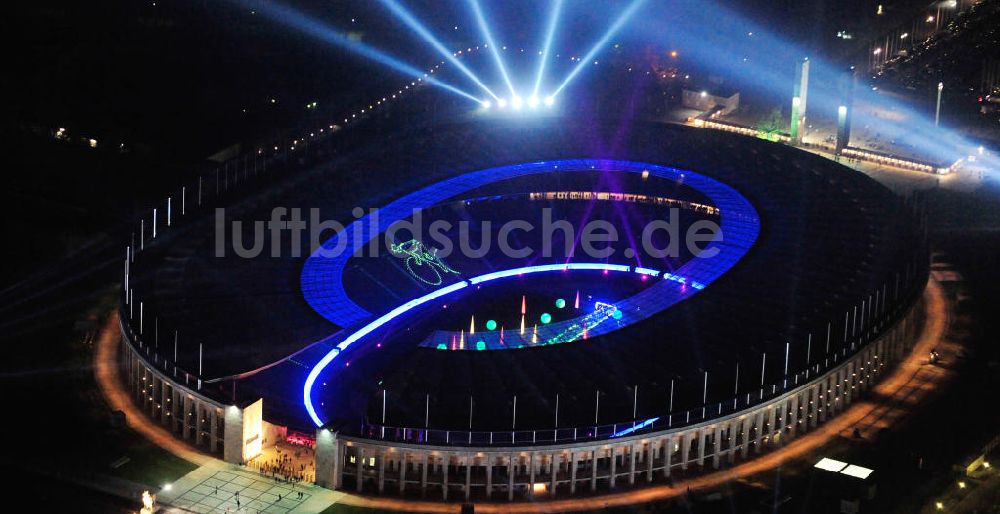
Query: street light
(937, 110)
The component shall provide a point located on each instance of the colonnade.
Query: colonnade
(498, 472)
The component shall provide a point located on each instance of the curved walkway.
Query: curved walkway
(106, 372)
(891, 400)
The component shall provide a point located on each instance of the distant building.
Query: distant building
(713, 100)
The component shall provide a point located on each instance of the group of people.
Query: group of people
(282, 469)
(299, 495)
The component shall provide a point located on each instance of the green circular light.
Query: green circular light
(560, 303)
(480, 345)
(546, 318)
(617, 314)
(442, 346)
(491, 325)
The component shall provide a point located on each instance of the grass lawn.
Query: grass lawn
(149, 464)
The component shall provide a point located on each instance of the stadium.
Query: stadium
(540, 369)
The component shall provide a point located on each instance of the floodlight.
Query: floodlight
(830, 465)
(857, 471)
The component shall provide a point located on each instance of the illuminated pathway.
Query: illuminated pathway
(891, 400)
(106, 372)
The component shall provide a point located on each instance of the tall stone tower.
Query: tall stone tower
(799, 94)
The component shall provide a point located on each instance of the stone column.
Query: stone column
(165, 404)
(685, 449)
(759, 439)
(717, 446)
(213, 429)
(614, 466)
(731, 440)
(702, 442)
(794, 418)
(510, 478)
(572, 472)
(232, 428)
(834, 396)
(781, 416)
(593, 470)
(444, 482)
(176, 406)
(360, 468)
(489, 476)
(382, 455)
(850, 383)
(199, 424)
(468, 476)
(140, 378)
(144, 389)
(631, 463)
(154, 394)
(824, 395)
(185, 419)
(650, 457)
(554, 466)
(328, 459)
(423, 473)
(772, 414)
(814, 406)
(402, 472)
(745, 426)
(531, 474)
(668, 453)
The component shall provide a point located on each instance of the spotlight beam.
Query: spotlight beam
(488, 36)
(300, 21)
(407, 18)
(612, 30)
(550, 32)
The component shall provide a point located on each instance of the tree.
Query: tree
(772, 123)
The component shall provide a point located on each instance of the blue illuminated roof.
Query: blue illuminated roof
(322, 276)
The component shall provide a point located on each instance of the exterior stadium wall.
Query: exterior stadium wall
(511, 472)
(172, 399)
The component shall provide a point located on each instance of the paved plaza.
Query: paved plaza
(221, 488)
